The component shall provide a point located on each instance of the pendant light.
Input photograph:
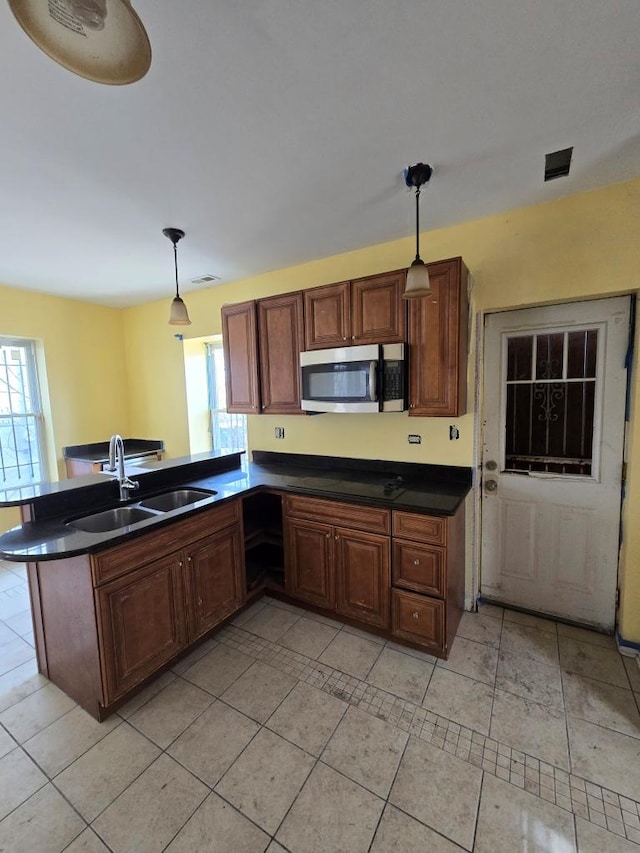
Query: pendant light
(417, 283)
(102, 40)
(178, 315)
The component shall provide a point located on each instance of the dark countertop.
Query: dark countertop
(99, 450)
(428, 489)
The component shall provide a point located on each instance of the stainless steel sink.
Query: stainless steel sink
(176, 499)
(110, 519)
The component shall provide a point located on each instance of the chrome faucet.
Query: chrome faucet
(116, 460)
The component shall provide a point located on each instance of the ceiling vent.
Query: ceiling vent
(203, 279)
(557, 164)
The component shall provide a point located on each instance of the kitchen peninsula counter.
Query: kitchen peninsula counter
(412, 487)
(376, 543)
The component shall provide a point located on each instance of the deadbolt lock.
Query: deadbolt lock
(491, 465)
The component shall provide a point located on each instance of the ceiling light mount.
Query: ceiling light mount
(101, 40)
(417, 283)
(178, 315)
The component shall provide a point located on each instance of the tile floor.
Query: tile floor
(291, 732)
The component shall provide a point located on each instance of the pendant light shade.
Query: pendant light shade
(417, 283)
(102, 40)
(178, 315)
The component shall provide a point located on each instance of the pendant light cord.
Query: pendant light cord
(417, 223)
(175, 260)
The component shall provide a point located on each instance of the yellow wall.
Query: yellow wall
(124, 371)
(581, 246)
(86, 375)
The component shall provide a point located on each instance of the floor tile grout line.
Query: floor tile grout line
(311, 663)
(387, 801)
(448, 723)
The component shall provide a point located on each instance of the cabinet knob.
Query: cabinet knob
(189, 559)
(415, 614)
(416, 562)
(345, 338)
(337, 537)
(328, 535)
(181, 564)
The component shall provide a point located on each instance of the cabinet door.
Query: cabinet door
(438, 343)
(281, 337)
(215, 580)
(141, 623)
(308, 562)
(240, 344)
(362, 576)
(327, 316)
(378, 311)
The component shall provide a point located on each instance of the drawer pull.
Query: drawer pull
(415, 614)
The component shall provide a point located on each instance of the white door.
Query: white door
(554, 397)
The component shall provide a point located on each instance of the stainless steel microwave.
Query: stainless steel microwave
(369, 378)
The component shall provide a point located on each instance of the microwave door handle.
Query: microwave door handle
(373, 367)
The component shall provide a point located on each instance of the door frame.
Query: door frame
(474, 528)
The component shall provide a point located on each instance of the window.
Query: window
(228, 432)
(21, 445)
(550, 401)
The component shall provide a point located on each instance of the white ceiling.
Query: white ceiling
(275, 132)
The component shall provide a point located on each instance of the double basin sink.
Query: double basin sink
(124, 516)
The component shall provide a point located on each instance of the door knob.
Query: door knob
(491, 485)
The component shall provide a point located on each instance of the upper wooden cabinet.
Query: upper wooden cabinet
(281, 340)
(240, 343)
(438, 344)
(262, 343)
(366, 310)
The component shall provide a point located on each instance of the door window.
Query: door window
(550, 401)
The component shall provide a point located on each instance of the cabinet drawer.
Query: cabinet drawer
(419, 567)
(418, 619)
(370, 518)
(421, 528)
(151, 546)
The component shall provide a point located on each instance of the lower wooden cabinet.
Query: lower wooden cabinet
(309, 562)
(427, 598)
(362, 576)
(143, 625)
(104, 623)
(215, 582)
(130, 609)
(338, 567)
